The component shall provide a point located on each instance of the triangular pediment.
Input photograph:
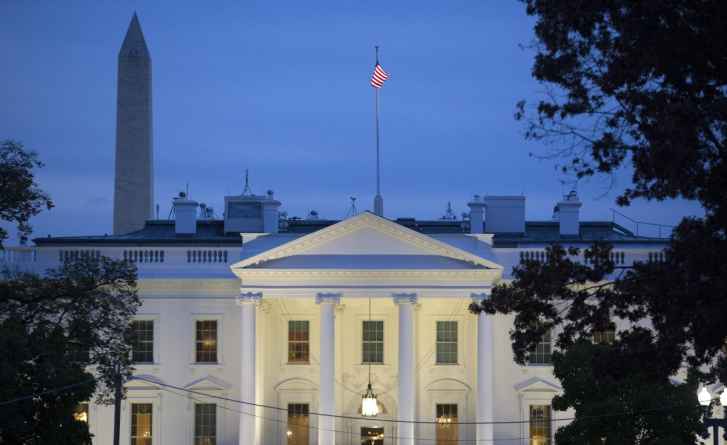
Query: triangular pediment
(208, 383)
(537, 384)
(365, 236)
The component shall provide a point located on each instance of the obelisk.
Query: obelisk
(134, 180)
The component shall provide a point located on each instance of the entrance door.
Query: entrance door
(372, 436)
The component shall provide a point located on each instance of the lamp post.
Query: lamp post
(705, 399)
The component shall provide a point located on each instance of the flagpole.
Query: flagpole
(378, 200)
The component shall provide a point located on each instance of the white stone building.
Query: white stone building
(293, 313)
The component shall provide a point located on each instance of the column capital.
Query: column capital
(478, 297)
(328, 298)
(249, 298)
(404, 298)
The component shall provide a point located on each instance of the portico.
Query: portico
(325, 280)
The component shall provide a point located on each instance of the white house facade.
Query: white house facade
(293, 319)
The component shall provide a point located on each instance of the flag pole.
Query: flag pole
(378, 200)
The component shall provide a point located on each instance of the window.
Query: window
(541, 355)
(206, 341)
(446, 342)
(540, 428)
(605, 336)
(141, 419)
(372, 436)
(373, 341)
(142, 344)
(298, 424)
(298, 341)
(447, 428)
(205, 424)
(81, 412)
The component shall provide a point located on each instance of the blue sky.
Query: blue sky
(281, 88)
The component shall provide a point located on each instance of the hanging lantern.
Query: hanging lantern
(369, 403)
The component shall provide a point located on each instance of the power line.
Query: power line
(288, 423)
(418, 422)
(49, 391)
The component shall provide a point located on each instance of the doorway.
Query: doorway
(372, 436)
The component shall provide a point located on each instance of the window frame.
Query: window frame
(215, 422)
(307, 415)
(364, 342)
(537, 357)
(152, 342)
(439, 342)
(152, 427)
(220, 339)
(546, 423)
(306, 342)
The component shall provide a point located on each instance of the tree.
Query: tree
(20, 197)
(623, 390)
(641, 85)
(635, 83)
(70, 330)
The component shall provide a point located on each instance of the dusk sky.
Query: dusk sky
(281, 88)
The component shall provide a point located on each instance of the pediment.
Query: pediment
(537, 384)
(208, 383)
(144, 381)
(361, 238)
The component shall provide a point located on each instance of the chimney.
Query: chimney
(504, 214)
(568, 211)
(271, 216)
(477, 214)
(185, 215)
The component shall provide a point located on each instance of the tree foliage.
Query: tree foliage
(641, 85)
(623, 390)
(635, 83)
(20, 197)
(67, 329)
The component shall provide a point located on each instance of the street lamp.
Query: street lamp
(705, 399)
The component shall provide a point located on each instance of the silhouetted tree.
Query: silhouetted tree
(20, 197)
(62, 337)
(640, 85)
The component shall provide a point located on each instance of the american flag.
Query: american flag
(379, 76)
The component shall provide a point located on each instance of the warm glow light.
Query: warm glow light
(81, 416)
(704, 397)
(369, 404)
(289, 433)
(723, 398)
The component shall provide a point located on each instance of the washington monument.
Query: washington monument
(134, 181)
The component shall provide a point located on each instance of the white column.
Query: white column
(248, 302)
(485, 372)
(327, 405)
(407, 376)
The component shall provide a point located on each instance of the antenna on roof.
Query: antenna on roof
(449, 213)
(187, 190)
(352, 211)
(247, 191)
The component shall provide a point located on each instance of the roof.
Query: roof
(211, 232)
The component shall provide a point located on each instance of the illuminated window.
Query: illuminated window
(205, 424)
(447, 428)
(298, 422)
(141, 420)
(446, 342)
(373, 341)
(541, 355)
(298, 341)
(81, 413)
(142, 344)
(372, 436)
(605, 336)
(206, 341)
(540, 428)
